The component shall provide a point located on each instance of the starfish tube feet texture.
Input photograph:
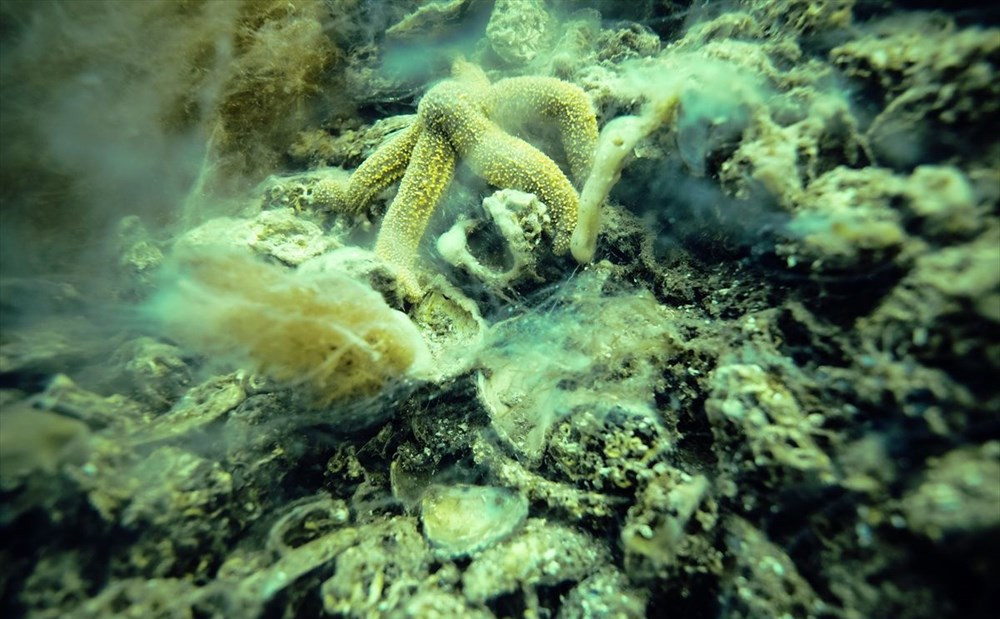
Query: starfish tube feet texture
(384, 167)
(432, 164)
(499, 158)
(508, 162)
(466, 118)
(515, 99)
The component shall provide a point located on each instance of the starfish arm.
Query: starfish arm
(456, 110)
(471, 75)
(514, 99)
(383, 168)
(432, 164)
(506, 161)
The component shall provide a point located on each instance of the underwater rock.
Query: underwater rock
(850, 221)
(430, 19)
(37, 441)
(574, 53)
(772, 394)
(965, 275)
(462, 520)
(177, 506)
(631, 41)
(45, 329)
(305, 521)
(201, 406)
(759, 418)
(785, 155)
(312, 191)
(423, 459)
(792, 17)
(943, 200)
(607, 451)
(262, 442)
(379, 571)
(47, 347)
(542, 554)
(115, 411)
(906, 59)
(276, 234)
(571, 502)
(280, 64)
(138, 259)
(452, 327)
(541, 366)
(57, 584)
(437, 604)
(518, 30)
(606, 593)
(958, 496)
(913, 49)
(153, 373)
(941, 307)
(348, 149)
(141, 597)
(520, 219)
(765, 581)
(244, 585)
(670, 528)
(359, 264)
(40, 451)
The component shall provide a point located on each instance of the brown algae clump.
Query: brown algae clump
(325, 332)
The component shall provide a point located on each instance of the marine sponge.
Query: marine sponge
(325, 332)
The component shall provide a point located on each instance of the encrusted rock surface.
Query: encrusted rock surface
(764, 386)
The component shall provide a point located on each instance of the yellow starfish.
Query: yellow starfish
(466, 117)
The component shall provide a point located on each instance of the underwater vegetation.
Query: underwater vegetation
(323, 331)
(499, 308)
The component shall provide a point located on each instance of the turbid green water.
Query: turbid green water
(512, 308)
